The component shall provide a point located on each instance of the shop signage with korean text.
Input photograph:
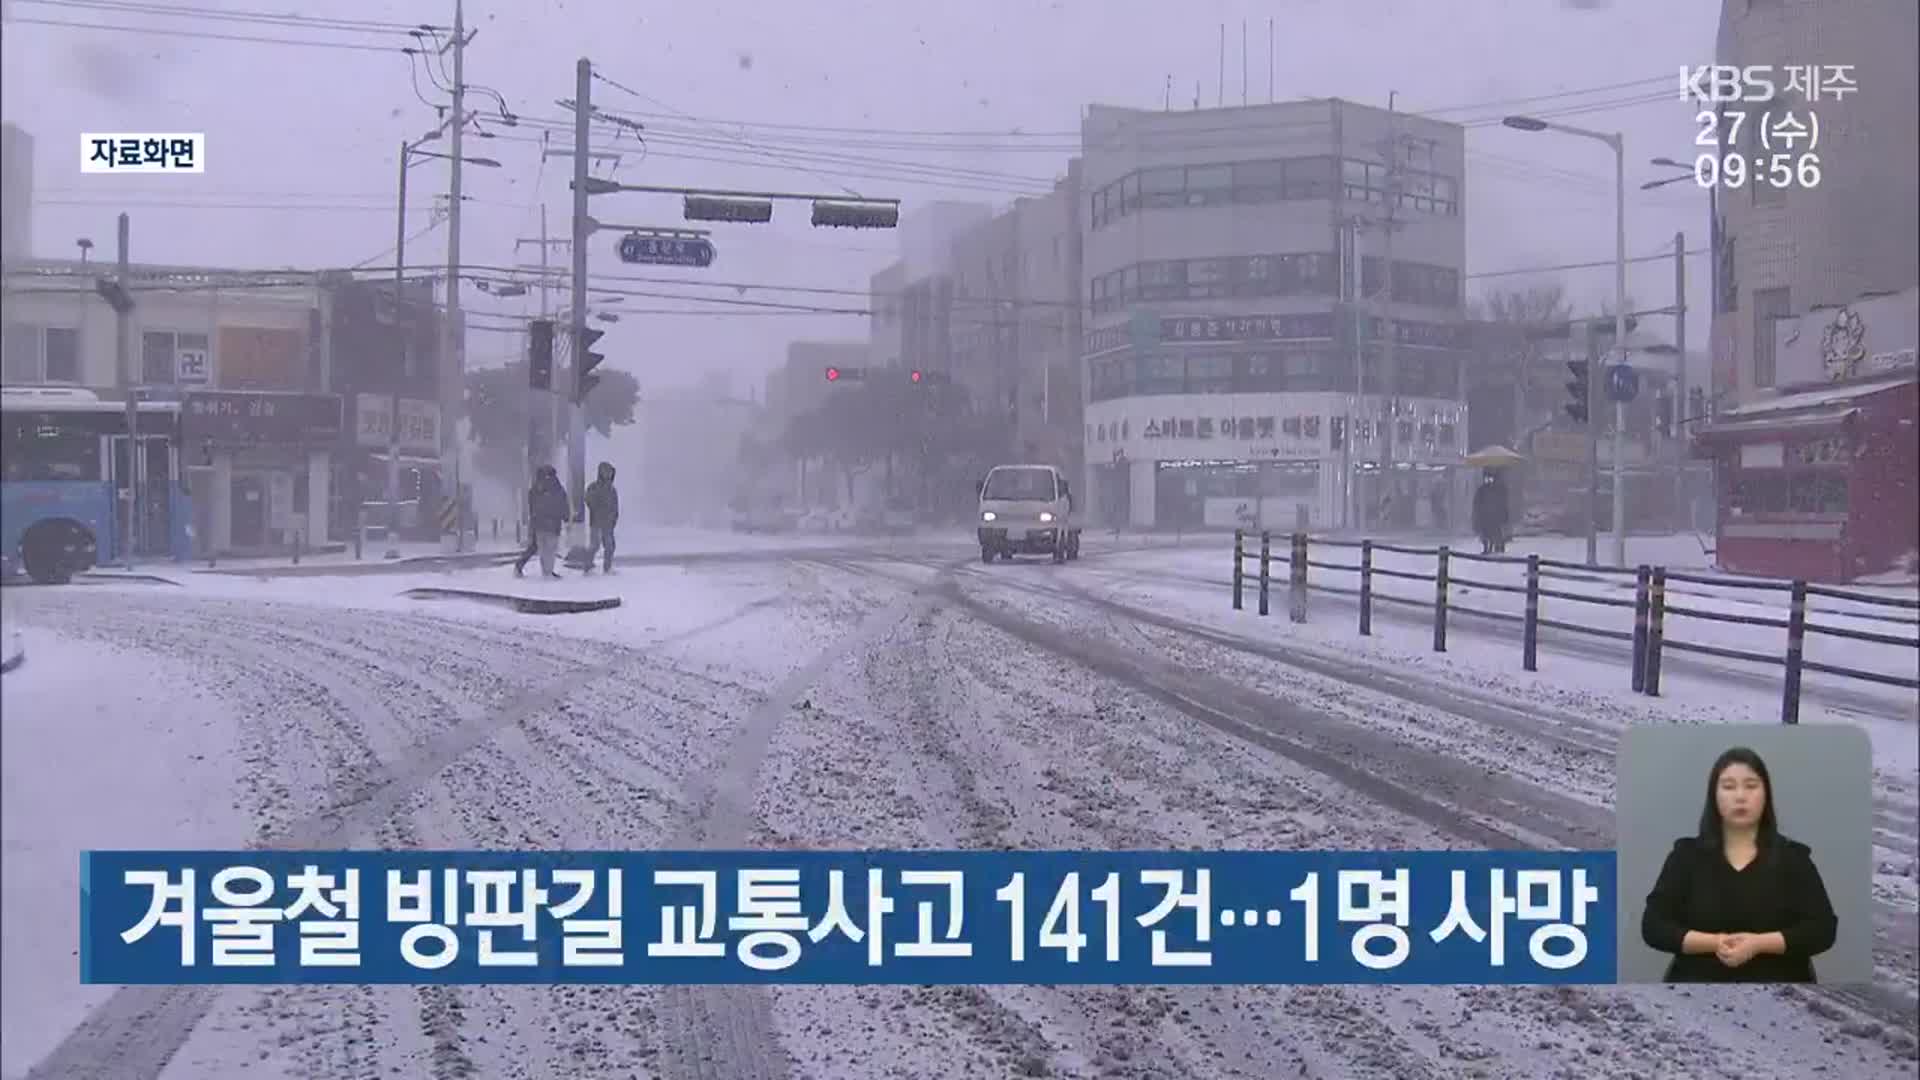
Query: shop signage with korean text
(419, 423)
(231, 416)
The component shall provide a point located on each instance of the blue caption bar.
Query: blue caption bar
(919, 917)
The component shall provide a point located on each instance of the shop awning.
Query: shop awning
(1797, 423)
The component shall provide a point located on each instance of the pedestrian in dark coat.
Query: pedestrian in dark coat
(603, 513)
(1484, 513)
(547, 510)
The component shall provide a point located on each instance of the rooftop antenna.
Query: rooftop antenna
(1166, 104)
(1196, 93)
(1243, 62)
(1269, 61)
(1220, 99)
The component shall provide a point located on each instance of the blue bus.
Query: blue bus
(63, 496)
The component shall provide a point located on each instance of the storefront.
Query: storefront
(1195, 462)
(1816, 477)
(259, 467)
(362, 472)
(1818, 482)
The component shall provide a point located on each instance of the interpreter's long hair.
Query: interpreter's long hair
(1711, 833)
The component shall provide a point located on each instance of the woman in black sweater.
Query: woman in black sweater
(1739, 902)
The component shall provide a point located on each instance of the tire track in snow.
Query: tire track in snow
(136, 1032)
(1400, 778)
(1896, 940)
(727, 1032)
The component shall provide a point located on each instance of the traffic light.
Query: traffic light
(584, 361)
(540, 354)
(915, 376)
(1577, 391)
(856, 215)
(846, 374)
(709, 208)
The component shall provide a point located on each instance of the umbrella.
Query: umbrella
(1494, 457)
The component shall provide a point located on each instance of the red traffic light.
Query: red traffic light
(833, 374)
(916, 375)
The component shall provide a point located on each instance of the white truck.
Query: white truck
(1027, 510)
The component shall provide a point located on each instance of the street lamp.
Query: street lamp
(1618, 143)
(409, 151)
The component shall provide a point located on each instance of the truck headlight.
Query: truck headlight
(1046, 516)
(986, 515)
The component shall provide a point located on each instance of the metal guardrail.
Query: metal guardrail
(1651, 604)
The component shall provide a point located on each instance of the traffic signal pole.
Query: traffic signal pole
(577, 426)
(1594, 397)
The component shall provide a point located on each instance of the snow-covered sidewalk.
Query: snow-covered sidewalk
(1479, 585)
(146, 758)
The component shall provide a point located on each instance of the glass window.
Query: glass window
(1259, 372)
(156, 357)
(1129, 284)
(20, 353)
(51, 450)
(1314, 273)
(1164, 187)
(1210, 373)
(1260, 176)
(1309, 178)
(1207, 278)
(1129, 193)
(1209, 185)
(1159, 374)
(1768, 305)
(63, 353)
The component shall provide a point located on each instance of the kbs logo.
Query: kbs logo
(1717, 83)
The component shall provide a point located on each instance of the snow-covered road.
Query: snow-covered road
(898, 699)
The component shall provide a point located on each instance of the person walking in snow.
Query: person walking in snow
(603, 513)
(547, 508)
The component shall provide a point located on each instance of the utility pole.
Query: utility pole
(1677, 426)
(1390, 330)
(405, 333)
(123, 345)
(1595, 388)
(453, 366)
(1620, 343)
(577, 428)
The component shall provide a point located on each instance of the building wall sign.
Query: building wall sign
(1871, 336)
(262, 358)
(225, 416)
(419, 423)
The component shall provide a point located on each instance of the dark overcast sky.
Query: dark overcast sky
(302, 140)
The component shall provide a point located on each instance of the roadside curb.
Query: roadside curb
(526, 605)
(412, 564)
(145, 579)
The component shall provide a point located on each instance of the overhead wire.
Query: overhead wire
(226, 15)
(209, 35)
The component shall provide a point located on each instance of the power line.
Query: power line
(210, 36)
(234, 16)
(1663, 257)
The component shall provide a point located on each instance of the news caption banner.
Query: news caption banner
(815, 917)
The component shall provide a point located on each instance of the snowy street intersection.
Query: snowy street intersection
(901, 696)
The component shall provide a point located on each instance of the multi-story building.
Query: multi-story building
(886, 338)
(1228, 376)
(384, 357)
(16, 193)
(1786, 250)
(245, 353)
(287, 381)
(1015, 322)
(689, 461)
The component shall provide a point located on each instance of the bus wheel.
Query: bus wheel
(53, 551)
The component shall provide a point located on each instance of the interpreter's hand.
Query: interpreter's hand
(1736, 949)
